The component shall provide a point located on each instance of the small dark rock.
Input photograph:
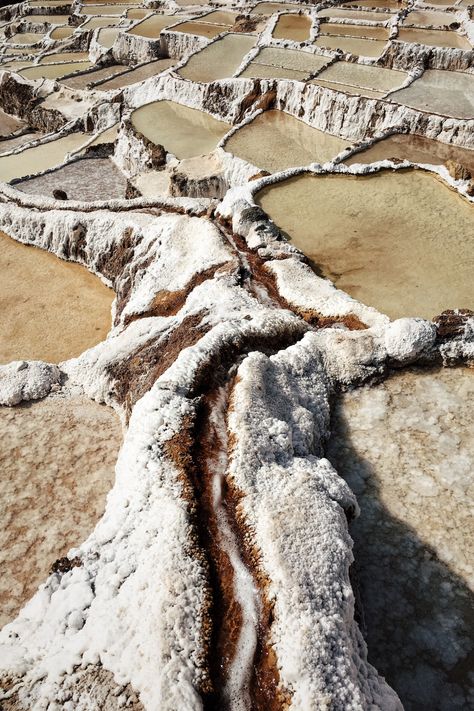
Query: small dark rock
(59, 194)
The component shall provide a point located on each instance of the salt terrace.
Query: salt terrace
(236, 352)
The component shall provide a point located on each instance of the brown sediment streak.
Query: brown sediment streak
(135, 375)
(168, 303)
(263, 277)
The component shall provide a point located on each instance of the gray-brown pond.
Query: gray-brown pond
(57, 459)
(400, 241)
(416, 149)
(39, 158)
(51, 310)
(182, 131)
(440, 92)
(218, 60)
(297, 143)
(294, 27)
(406, 449)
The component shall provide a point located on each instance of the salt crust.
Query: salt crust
(21, 381)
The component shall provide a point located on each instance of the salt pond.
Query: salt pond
(51, 310)
(182, 131)
(440, 92)
(400, 241)
(297, 143)
(433, 38)
(294, 27)
(406, 449)
(218, 60)
(39, 158)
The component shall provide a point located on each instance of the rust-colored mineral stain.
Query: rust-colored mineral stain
(51, 310)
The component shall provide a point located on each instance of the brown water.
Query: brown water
(39, 158)
(101, 10)
(400, 241)
(81, 81)
(25, 38)
(51, 310)
(440, 92)
(54, 71)
(354, 45)
(291, 59)
(434, 38)
(429, 18)
(95, 22)
(62, 32)
(294, 27)
(64, 57)
(140, 74)
(391, 4)
(417, 149)
(57, 458)
(201, 28)
(182, 131)
(268, 8)
(348, 89)
(368, 31)
(137, 14)
(152, 26)
(363, 75)
(219, 60)
(220, 17)
(276, 141)
(266, 71)
(50, 19)
(356, 14)
(9, 124)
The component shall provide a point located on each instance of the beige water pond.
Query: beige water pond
(400, 241)
(218, 60)
(363, 76)
(346, 30)
(276, 141)
(81, 81)
(152, 26)
(57, 459)
(294, 27)
(441, 92)
(95, 22)
(50, 19)
(39, 158)
(354, 45)
(268, 8)
(429, 18)
(64, 57)
(266, 71)
(141, 73)
(62, 32)
(54, 71)
(25, 38)
(406, 449)
(219, 17)
(9, 124)
(202, 29)
(356, 14)
(182, 131)
(137, 14)
(391, 4)
(348, 89)
(417, 149)
(104, 10)
(433, 38)
(291, 59)
(51, 310)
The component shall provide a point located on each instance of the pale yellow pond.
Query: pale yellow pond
(51, 310)
(400, 241)
(39, 158)
(294, 27)
(182, 131)
(298, 144)
(218, 60)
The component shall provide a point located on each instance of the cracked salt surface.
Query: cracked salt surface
(405, 447)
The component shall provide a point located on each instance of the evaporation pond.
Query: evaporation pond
(440, 92)
(294, 27)
(400, 241)
(52, 310)
(57, 460)
(40, 158)
(218, 60)
(298, 143)
(152, 26)
(182, 131)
